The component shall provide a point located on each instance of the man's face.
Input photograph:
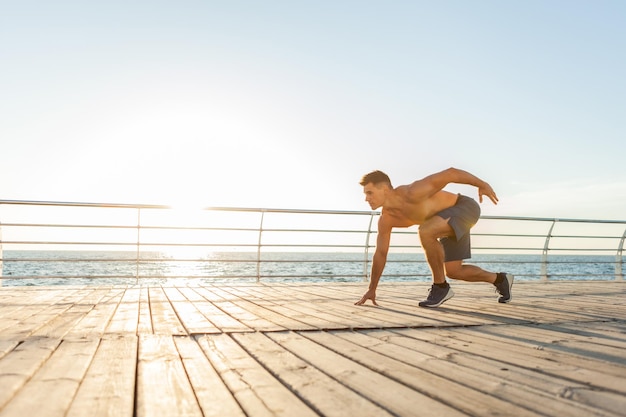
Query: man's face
(374, 195)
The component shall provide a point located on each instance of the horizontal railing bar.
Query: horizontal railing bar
(550, 219)
(284, 245)
(583, 249)
(158, 260)
(228, 229)
(52, 243)
(277, 245)
(507, 235)
(254, 276)
(173, 244)
(69, 226)
(269, 261)
(288, 211)
(544, 236)
(126, 277)
(221, 229)
(584, 237)
(174, 208)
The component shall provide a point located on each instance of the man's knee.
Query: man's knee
(426, 233)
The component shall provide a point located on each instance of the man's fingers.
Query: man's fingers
(363, 300)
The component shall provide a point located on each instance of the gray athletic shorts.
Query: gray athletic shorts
(462, 216)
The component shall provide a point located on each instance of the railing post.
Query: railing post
(367, 248)
(619, 274)
(544, 256)
(258, 248)
(138, 245)
(1, 255)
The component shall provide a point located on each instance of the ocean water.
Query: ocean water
(155, 268)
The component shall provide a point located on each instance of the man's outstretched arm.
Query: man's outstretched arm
(378, 262)
(436, 182)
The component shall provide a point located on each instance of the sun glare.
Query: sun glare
(185, 233)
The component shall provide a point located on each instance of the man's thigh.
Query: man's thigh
(436, 227)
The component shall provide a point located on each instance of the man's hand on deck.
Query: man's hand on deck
(369, 295)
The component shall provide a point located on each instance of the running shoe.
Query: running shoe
(504, 287)
(437, 296)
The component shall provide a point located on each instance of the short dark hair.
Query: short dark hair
(376, 177)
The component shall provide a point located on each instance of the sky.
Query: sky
(286, 104)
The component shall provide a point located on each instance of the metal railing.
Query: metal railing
(43, 241)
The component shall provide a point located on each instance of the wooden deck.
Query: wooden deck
(559, 349)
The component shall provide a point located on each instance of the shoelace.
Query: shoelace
(430, 292)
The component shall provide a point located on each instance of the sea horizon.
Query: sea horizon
(94, 267)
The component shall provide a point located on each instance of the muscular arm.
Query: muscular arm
(379, 260)
(434, 183)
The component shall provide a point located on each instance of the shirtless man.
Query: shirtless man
(444, 221)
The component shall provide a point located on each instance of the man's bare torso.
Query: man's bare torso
(414, 211)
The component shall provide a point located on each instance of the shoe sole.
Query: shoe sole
(509, 279)
(448, 296)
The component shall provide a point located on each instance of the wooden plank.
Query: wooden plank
(20, 364)
(256, 390)
(108, 388)
(323, 318)
(555, 364)
(281, 321)
(351, 316)
(126, 317)
(391, 395)
(39, 317)
(602, 332)
(7, 345)
(324, 394)
(222, 321)
(557, 396)
(523, 312)
(145, 315)
(386, 360)
(213, 396)
(550, 338)
(162, 385)
(59, 325)
(242, 315)
(63, 323)
(517, 386)
(18, 304)
(191, 318)
(96, 320)
(614, 367)
(164, 318)
(298, 310)
(50, 391)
